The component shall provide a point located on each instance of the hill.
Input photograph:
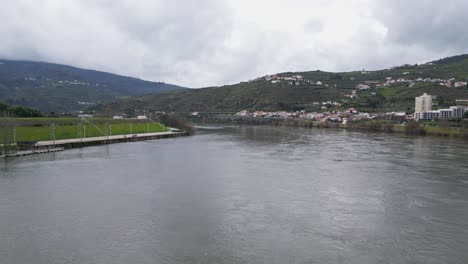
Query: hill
(383, 90)
(60, 88)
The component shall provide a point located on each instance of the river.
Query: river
(240, 195)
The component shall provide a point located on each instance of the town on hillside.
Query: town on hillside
(296, 79)
(424, 107)
(423, 111)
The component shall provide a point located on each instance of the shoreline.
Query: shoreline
(50, 146)
(381, 126)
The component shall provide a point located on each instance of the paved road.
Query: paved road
(94, 139)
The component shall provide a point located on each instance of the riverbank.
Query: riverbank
(92, 141)
(31, 152)
(14, 130)
(21, 134)
(412, 128)
(41, 147)
(386, 126)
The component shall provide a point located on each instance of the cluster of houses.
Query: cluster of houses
(352, 95)
(291, 79)
(326, 104)
(76, 82)
(296, 79)
(69, 82)
(332, 116)
(452, 82)
(423, 111)
(410, 83)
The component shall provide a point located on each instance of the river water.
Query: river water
(240, 195)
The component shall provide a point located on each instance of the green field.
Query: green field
(40, 129)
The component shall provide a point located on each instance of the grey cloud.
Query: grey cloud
(119, 36)
(186, 28)
(205, 42)
(313, 26)
(433, 24)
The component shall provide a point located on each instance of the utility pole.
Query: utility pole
(80, 131)
(110, 132)
(131, 128)
(6, 136)
(52, 133)
(14, 136)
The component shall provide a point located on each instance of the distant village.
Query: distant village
(295, 79)
(423, 111)
(64, 82)
(332, 116)
(423, 104)
(299, 79)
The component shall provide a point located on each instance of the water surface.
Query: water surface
(240, 195)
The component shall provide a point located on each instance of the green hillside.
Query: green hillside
(60, 88)
(386, 93)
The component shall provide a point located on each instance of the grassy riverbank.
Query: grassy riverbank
(40, 129)
(412, 128)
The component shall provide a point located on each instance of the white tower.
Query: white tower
(423, 103)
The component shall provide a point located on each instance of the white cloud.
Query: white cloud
(214, 42)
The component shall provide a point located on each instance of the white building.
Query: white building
(458, 111)
(423, 103)
(452, 112)
(429, 115)
(445, 113)
(243, 113)
(363, 87)
(142, 117)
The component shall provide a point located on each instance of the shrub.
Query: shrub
(413, 128)
(388, 127)
(173, 120)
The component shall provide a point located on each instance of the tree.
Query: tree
(173, 120)
(466, 114)
(414, 128)
(21, 111)
(3, 107)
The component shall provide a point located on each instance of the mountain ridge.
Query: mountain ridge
(391, 89)
(63, 88)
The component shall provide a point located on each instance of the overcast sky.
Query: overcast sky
(199, 43)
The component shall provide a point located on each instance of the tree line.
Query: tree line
(18, 111)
